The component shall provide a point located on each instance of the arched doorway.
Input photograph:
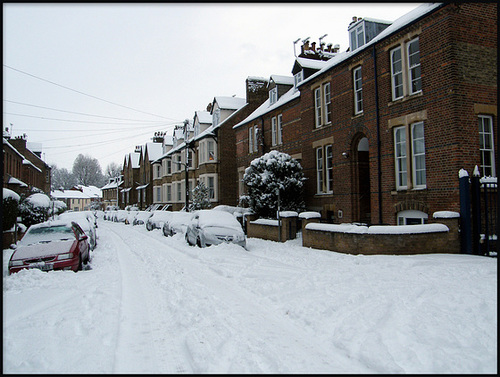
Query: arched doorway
(361, 174)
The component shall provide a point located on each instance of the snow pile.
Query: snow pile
(378, 229)
(7, 193)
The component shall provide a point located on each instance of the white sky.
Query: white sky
(139, 68)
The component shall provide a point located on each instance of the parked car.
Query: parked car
(176, 223)
(52, 245)
(131, 214)
(141, 217)
(157, 220)
(211, 227)
(87, 222)
(120, 216)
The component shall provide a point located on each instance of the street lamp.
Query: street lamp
(188, 145)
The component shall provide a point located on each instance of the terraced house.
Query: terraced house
(383, 129)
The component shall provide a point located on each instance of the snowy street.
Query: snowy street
(152, 304)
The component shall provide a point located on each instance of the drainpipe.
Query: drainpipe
(379, 162)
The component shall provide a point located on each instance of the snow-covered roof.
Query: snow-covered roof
(283, 80)
(5, 141)
(204, 117)
(155, 150)
(400, 23)
(28, 162)
(266, 107)
(230, 103)
(69, 194)
(311, 63)
(134, 159)
(15, 181)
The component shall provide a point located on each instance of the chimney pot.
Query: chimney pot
(313, 46)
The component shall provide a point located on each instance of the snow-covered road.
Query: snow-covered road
(151, 304)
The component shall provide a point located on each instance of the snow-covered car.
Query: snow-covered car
(87, 222)
(176, 223)
(52, 245)
(157, 220)
(131, 216)
(210, 227)
(120, 216)
(141, 217)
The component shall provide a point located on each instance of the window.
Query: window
(169, 193)
(273, 95)
(486, 146)
(206, 151)
(211, 150)
(406, 81)
(329, 168)
(412, 217)
(414, 66)
(415, 139)
(297, 78)
(319, 170)
(358, 91)
(211, 187)
(357, 37)
(216, 117)
(280, 129)
(324, 169)
(169, 167)
(397, 73)
(317, 106)
(322, 105)
(250, 140)
(276, 130)
(179, 192)
(328, 101)
(253, 139)
(158, 194)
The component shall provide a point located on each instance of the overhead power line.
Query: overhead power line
(74, 112)
(85, 94)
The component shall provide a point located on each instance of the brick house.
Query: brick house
(130, 178)
(149, 153)
(110, 191)
(383, 129)
(23, 167)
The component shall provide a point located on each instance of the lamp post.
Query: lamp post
(184, 127)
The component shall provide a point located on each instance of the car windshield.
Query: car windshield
(47, 234)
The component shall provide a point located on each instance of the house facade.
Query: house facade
(383, 129)
(23, 167)
(110, 192)
(128, 191)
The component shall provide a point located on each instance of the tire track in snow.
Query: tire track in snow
(141, 345)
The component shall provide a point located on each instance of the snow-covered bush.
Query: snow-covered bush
(10, 208)
(201, 197)
(265, 175)
(35, 209)
(57, 207)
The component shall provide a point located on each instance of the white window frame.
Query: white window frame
(418, 155)
(413, 216)
(297, 78)
(327, 95)
(401, 157)
(169, 193)
(255, 138)
(354, 36)
(413, 68)
(409, 156)
(158, 193)
(397, 74)
(320, 167)
(317, 106)
(211, 151)
(329, 168)
(205, 179)
(487, 145)
(273, 95)
(358, 90)
(250, 140)
(274, 131)
(280, 128)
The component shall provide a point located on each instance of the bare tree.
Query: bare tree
(87, 171)
(62, 178)
(113, 170)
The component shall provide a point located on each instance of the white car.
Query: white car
(142, 217)
(212, 227)
(176, 223)
(157, 220)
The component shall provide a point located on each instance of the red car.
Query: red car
(53, 245)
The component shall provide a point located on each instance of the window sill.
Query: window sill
(357, 115)
(324, 194)
(405, 191)
(405, 98)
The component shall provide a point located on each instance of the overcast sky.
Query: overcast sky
(99, 79)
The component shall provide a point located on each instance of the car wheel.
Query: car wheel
(187, 240)
(148, 226)
(165, 232)
(80, 262)
(198, 242)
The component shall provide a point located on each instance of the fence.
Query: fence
(479, 214)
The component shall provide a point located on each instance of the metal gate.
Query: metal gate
(479, 214)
